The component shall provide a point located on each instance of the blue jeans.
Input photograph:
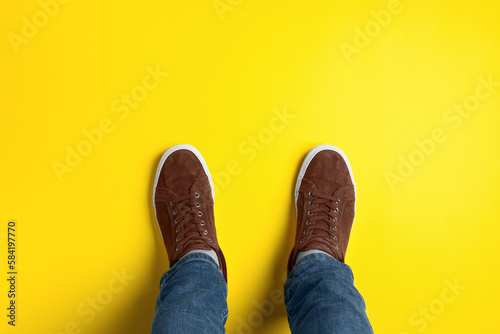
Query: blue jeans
(320, 297)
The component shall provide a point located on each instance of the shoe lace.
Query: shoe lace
(322, 219)
(189, 224)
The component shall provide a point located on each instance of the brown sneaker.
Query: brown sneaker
(184, 205)
(325, 197)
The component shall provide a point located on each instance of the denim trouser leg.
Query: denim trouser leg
(193, 297)
(319, 293)
(321, 298)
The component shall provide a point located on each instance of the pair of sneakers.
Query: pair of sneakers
(183, 196)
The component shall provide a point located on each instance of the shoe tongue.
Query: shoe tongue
(323, 206)
(323, 223)
(195, 242)
(198, 245)
(325, 218)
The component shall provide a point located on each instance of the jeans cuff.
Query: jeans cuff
(195, 256)
(312, 260)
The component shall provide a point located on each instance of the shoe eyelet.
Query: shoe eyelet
(308, 222)
(337, 247)
(334, 228)
(311, 204)
(338, 201)
(176, 249)
(335, 219)
(309, 213)
(202, 223)
(174, 212)
(306, 231)
(301, 241)
(171, 203)
(334, 237)
(197, 195)
(205, 232)
(210, 240)
(176, 221)
(200, 213)
(310, 194)
(198, 204)
(336, 210)
(177, 239)
(177, 230)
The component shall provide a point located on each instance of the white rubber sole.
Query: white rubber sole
(312, 153)
(168, 153)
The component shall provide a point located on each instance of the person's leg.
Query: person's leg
(321, 298)
(193, 292)
(192, 297)
(319, 293)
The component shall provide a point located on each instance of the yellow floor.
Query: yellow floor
(92, 93)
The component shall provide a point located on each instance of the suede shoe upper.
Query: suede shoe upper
(184, 205)
(325, 200)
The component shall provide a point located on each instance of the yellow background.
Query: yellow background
(228, 74)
